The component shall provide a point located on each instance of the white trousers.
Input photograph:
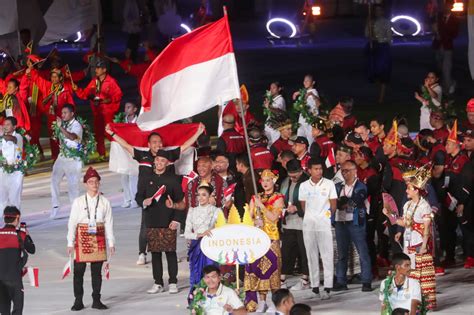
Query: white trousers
(305, 130)
(129, 185)
(11, 186)
(319, 243)
(71, 168)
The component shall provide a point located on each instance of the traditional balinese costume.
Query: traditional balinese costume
(263, 275)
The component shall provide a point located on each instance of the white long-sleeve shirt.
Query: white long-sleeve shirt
(199, 220)
(79, 215)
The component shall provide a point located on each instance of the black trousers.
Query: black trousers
(11, 292)
(157, 265)
(96, 275)
(142, 242)
(375, 224)
(447, 232)
(292, 246)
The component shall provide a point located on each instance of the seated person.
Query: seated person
(403, 292)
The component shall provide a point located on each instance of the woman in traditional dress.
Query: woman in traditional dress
(263, 275)
(418, 236)
(199, 223)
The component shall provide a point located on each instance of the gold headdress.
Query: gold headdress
(205, 184)
(418, 177)
(269, 173)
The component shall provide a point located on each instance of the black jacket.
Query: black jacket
(10, 252)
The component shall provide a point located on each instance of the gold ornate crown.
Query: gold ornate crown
(269, 173)
(418, 177)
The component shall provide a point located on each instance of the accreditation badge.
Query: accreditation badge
(92, 227)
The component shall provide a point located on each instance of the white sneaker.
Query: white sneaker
(325, 295)
(173, 288)
(54, 213)
(262, 307)
(134, 204)
(141, 259)
(283, 285)
(126, 204)
(156, 288)
(300, 286)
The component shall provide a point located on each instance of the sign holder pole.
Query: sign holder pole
(237, 276)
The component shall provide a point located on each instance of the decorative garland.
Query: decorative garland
(120, 118)
(268, 97)
(387, 291)
(198, 296)
(83, 149)
(300, 106)
(31, 154)
(431, 106)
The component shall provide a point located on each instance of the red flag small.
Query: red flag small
(229, 191)
(159, 193)
(331, 159)
(107, 270)
(187, 179)
(33, 273)
(67, 269)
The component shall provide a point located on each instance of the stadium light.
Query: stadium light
(186, 28)
(458, 7)
(284, 21)
(79, 36)
(406, 18)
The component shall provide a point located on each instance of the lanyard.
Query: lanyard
(96, 206)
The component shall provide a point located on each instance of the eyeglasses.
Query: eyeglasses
(347, 170)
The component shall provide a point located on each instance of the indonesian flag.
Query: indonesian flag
(172, 135)
(67, 269)
(187, 179)
(202, 61)
(32, 273)
(107, 270)
(229, 191)
(159, 193)
(331, 159)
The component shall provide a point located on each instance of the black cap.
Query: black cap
(101, 63)
(164, 154)
(293, 165)
(355, 138)
(469, 133)
(301, 140)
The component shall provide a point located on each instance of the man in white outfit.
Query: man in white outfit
(11, 150)
(130, 182)
(68, 163)
(312, 103)
(318, 198)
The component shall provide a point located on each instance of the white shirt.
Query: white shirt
(311, 101)
(317, 216)
(12, 152)
(74, 127)
(402, 298)
(134, 120)
(79, 215)
(215, 305)
(199, 220)
(279, 102)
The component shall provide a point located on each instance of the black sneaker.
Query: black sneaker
(97, 304)
(366, 287)
(78, 305)
(315, 291)
(339, 287)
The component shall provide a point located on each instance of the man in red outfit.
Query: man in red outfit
(104, 95)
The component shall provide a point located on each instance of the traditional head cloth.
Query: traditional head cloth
(453, 133)
(244, 94)
(418, 177)
(319, 123)
(90, 173)
(392, 136)
(269, 173)
(337, 114)
(34, 58)
(470, 106)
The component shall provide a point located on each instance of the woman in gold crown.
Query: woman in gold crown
(199, 223)
(263, 275)
(418, 236)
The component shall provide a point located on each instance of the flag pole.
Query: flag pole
(246, 136)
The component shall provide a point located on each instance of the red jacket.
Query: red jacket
(26, 90)
(441, 134)
(231, 142)
(321, 147)
(349, 123)
(45, 86)
(279, 146)
(262, 158)
(20, 112)
(109, 90)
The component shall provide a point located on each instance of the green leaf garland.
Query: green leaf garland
(83, 149)
(120, 118)
(300, 106)
(30, 157)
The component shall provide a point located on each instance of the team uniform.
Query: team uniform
(11, 177)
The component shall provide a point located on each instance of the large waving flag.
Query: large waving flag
(470, 28)
(194, 73)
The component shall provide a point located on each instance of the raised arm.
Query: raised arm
(193, 139)
(124, 144)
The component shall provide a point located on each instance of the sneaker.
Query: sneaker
(339, 287)
(366, 287)
(126, 204)
(141, 259)
(78, 305)
(173, 288)
(261, 307)
(439, 271)
(156, 288)
(283, 284)
(325, 295)
(134, 204)
(316, 292)
(54, 213)
(301, 285)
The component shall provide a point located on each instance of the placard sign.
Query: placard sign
(235, 244)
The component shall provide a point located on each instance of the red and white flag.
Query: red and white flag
(331, 159)
(187, 179)
(67, 269)
(202, 61)
(159, 193)
(33, 273)
(229, 191)
(107, 270)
